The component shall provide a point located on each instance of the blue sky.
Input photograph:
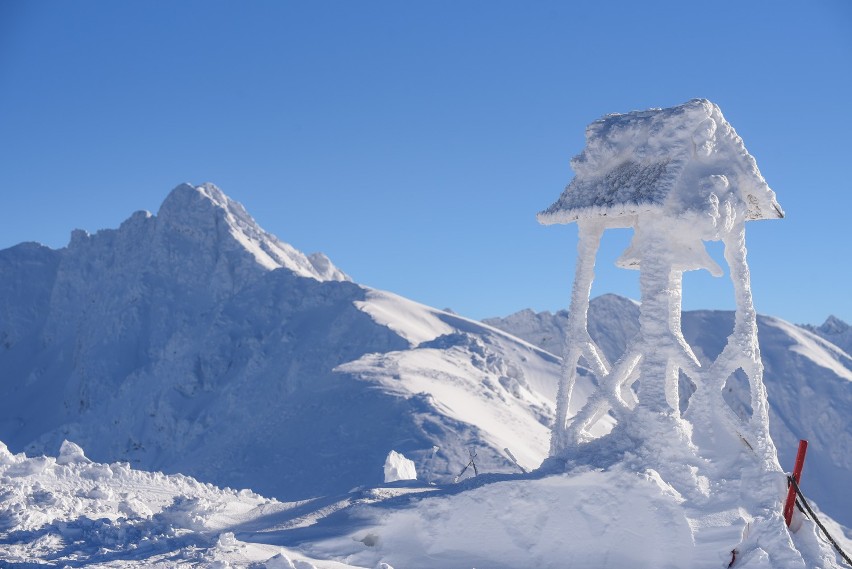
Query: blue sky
(414, 142)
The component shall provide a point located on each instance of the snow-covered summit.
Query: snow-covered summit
(835, 331)
(204, 212)
(183, 341)
(683, 159)
(168, 344)
(834, 325)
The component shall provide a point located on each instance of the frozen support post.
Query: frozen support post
(679, 177)
(578, 343)
(797, 476)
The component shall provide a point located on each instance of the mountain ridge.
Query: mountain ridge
(193, 341)
(835, 330)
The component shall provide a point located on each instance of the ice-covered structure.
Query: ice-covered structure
(678, 176)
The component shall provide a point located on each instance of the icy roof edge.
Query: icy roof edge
(677, 161)
(607, 216)
(624, 217)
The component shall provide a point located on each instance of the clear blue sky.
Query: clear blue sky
(414, 142)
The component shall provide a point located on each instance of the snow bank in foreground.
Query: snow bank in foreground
(72, 512)
(602, 519)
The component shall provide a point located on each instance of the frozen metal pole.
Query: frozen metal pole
(797, 475)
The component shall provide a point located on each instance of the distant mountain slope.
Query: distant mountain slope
(835, 331)
(808, 380)
(613, 320)
(195, 342)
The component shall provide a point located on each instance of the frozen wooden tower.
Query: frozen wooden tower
(678, 177)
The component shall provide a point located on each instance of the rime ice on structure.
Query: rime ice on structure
(677, 176)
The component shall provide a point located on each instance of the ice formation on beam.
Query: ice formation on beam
(678, 177)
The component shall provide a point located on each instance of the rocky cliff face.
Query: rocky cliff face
(192, 341)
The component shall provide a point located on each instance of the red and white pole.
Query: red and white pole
(797, 476)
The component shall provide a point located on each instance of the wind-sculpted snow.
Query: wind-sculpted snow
(61, 512)
(491, 390)
(679, 161)
(808, 380)
(71, 512)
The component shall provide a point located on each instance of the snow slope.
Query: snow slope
(835, 331)
(69, 511)
(808, 380)
(194, 342)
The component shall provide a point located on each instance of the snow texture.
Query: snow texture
(397, 467)
(684, 160)
(808, 382)
(148, 345)
(85, 514)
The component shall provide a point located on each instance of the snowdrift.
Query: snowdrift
(69, 511)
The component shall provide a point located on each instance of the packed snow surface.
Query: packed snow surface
(79, 513)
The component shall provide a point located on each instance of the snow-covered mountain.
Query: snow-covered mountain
(835, 331)
(193, 341)
(808, 381)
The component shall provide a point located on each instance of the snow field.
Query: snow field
(222, 329)
(69, 510)
(88, 514)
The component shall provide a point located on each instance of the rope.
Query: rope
(843, 554)
(801, 509)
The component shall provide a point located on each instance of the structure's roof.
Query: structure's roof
(680, 160)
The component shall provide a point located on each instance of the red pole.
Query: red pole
(797, 476)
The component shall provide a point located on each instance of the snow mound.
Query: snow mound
(397, 467)
(110, 515)
(70, 453)
(607, 519)
(78, 513)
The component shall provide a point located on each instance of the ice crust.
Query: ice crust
(678, 177)
(684, 161)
